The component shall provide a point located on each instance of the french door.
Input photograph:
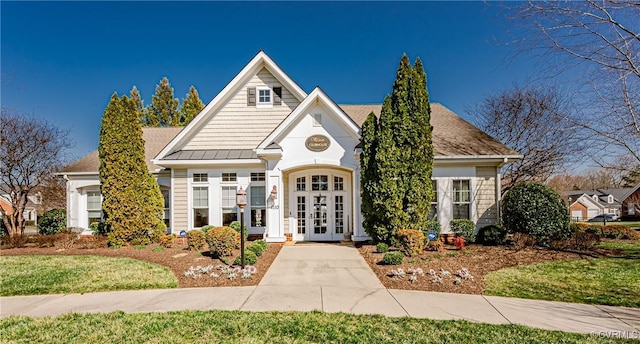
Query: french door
(321, 206)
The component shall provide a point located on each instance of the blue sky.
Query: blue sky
(63, 60)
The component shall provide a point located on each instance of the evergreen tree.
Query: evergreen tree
(142, 111)
(163, 111)
(191, 106)
(369, 170)
(397, 190)
(132, 201)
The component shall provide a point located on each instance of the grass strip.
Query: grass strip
(34, 275)
(269, 327)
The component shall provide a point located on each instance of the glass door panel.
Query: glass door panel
(320, 214)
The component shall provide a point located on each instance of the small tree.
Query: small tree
(537, 210)
(30, 149)
(191, 107)
(133, 203)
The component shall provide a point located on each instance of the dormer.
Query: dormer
(595, 198)
(610, 199)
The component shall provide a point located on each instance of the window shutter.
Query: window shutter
(251, 96)
(277, 95)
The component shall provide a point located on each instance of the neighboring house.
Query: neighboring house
(586, 204)
(297, 156)
(30, 213)
(631, 204)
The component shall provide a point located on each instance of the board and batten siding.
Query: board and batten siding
(286, 211)
(180, 201)
(239, 126)
(485, 196)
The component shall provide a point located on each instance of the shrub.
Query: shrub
(65, 239)
(195, 239)
(459, 242)
(258, 247)
(393, 258)
(206, 228)
(492, 235)
(99, 228)
(580, 240)
(464, 228)
(536, 209)
(91, 242)
(3, 230)
(435, 245)
(236, 227)
(432, 226)
(411, 241)
(521, 240)
(620, 232)
(250, 258)
(222, 241)
(382, 248)
(167, 240)
(52, 222)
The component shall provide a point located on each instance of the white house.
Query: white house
(296, 154)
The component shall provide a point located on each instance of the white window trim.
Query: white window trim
(472, 202)
(190, 185)
(221, 208)
(264, 88)
(262, 183)
(230, 182)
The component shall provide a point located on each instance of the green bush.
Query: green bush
(52, 222)
(196, 239)
(3, 229)
(492, 235)
(99, 228)
(393, 258)
(236, 227)
(382, 248)
(222, 241)
(250, 258)
(536, 209)
(258, 247)
(432, 226)
(206, 228)
(620, 232)
(411, 241)
(464, 228)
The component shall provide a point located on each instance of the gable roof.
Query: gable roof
(317, 95)
(155, 139)
(630, 192)
(452, 135)
(584, 198)
(261, 60)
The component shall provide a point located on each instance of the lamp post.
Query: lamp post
(241, 202)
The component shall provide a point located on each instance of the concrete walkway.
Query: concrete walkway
(333, 278)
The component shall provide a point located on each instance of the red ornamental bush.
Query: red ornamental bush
(459, 242)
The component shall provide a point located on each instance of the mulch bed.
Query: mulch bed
(177, 258)
(479, 260)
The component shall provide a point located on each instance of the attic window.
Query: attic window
(595, 197)
(264, 96)
(610, 199)
(317, 120)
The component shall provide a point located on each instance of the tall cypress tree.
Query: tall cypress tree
(398, 193)
(191, 106)
(163, 111)
(132, 201)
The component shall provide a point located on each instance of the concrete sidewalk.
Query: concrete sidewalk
(333, 278)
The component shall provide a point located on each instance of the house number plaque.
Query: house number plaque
(317, 143)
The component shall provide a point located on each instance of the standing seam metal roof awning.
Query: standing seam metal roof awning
(212, 154)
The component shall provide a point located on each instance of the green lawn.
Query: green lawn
(606, 281)
(33, 275)
(269, 327)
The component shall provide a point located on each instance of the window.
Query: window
(433, 210)
(302, 214)
(94, 206)
(264, 96)
(301, 184)
(338, 183)
(461, 199)
(229, 177)
(167, 205)
(258, 206)
(228, 205)
(200, 206)
(319, 183)
(200, 177)
(610, 199)
(339, 214)
(257, 176)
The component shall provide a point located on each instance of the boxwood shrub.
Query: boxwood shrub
(393, 258)
(52, 222)
(382, 248)
(250, 258)
(536, 209)
(492, 235)
(222, 241)
(464, 228)
(195, 239)
(411, 241)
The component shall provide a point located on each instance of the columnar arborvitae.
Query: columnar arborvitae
(132, 201)
(191, 106)
(163, 111)
(397, 194)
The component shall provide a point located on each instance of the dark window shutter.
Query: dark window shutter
(277, 95)
(251, 96)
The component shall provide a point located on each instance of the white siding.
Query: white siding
(238, 126)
